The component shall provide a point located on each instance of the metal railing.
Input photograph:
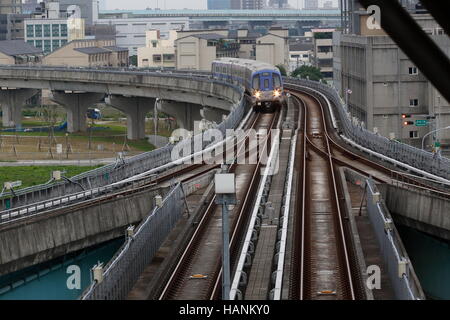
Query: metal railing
(137, 252)
(404, 153)
(401, 273)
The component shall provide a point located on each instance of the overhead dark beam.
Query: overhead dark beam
(419, 47)
(440, 10)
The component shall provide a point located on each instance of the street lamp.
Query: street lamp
(225, 195)
(433, 131)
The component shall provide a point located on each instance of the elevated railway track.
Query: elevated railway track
(311, 254)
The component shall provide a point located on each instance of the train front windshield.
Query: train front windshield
(266, 81)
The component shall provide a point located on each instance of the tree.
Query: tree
(282, 69)
(133, 60)
(307, 72)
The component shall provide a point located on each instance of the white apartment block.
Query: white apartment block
(157, 53)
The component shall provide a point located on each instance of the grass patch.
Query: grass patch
(35, 175)
(108, 133)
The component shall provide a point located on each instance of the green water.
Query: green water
(431, 260)
(48, 281)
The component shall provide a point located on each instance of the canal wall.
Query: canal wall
(419, 209)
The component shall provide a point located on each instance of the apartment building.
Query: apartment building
(299, 55)
(198, 50)
(273, 47)
(158, 52)
(323, 51)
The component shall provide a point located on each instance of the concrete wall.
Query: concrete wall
(66, 56)
(168, 87)
(420, 210)
(4, 59)
(194, 54)
(51, 235)
(69, 56)
(272, 49)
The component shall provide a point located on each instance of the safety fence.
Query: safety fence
(119, 275)
(420, 159)
(121, 169)
(401, 273)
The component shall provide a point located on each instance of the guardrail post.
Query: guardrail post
(97, 271)
(402, 265)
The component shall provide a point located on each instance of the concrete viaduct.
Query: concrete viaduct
(186, 97)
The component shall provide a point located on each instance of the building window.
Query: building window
(154, 43)
(55, 44)
(413, 134)
(38, 30)
(38, 44)
(63, 30)
(63, 42)
(156, 58)
(168, 57)
(55, 30)
(47, 47)
(31, 42)
(30, 31)
(413, 71)
(413, 102)
(325, 49)
(46, 30)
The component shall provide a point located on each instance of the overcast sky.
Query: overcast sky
(174, 4)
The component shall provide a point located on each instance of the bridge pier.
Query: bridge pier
(12, 101)
(76, 104)
(185, 113)
(135, 108)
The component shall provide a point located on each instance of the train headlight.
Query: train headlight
(257, 94)
(276, 93)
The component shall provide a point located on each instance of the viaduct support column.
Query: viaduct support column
(135, 108)
(12, 101)
(185, 113)
(76, 104)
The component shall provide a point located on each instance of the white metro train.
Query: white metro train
(262, 82)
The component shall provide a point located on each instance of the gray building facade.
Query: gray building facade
(385, 90)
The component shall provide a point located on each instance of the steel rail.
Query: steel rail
(437, 179)
(195, 236)
(338, 218)
(244, 207)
